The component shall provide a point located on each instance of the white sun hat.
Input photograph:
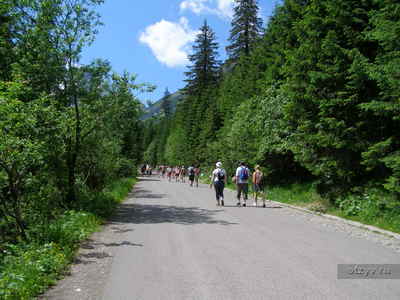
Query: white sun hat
(219, 164)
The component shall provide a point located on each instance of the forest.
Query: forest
(70, 138)
(313, 96)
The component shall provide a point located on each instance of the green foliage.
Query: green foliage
(68, 133)
(67, 230)
(28, 271)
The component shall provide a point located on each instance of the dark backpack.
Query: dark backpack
(191, 171)
(221, 175)
(244, 174)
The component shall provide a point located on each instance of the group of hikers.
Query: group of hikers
(179, 173)
(146, 169)
(242, 178)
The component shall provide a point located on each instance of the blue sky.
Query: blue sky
(152, 38)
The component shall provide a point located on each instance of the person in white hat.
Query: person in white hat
(219, 179)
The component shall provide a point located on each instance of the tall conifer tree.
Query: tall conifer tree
(204, 69)
(246, 28)
(202, 76)
(166, 103)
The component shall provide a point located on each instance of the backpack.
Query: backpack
(191, 171)
(221, 175)
(244, 174)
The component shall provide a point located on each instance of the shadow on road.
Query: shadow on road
(90, 258)
(154, 214)
(146, 194)
(251, 206)
(148, 179)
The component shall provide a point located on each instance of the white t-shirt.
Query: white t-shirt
(215, 174)
(238, 171)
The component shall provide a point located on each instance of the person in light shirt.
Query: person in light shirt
(218, 179)
(242, 183)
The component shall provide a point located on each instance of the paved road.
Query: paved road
(170, 241)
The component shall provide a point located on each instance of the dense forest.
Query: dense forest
(69, 133)
(312, 96)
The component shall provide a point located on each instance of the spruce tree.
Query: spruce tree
(201, 78)
(327, 83)
(246, 28)
(204, 69)
(166, 103)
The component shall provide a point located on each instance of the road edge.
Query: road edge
(348, 222)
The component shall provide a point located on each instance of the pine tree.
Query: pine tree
(166, 103)
(246, 28)
(383, 112)
(202, 77)
(327, 83)
(204, 70)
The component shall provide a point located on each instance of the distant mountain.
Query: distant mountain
(155, 108)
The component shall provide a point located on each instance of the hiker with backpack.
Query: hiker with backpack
(242, 182)
(191, 175)
(257, 181)
(218, 179)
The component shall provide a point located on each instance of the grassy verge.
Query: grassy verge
(28, 269)
(372, 207)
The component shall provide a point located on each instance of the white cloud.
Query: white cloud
(169, 41)
(221, 8)
(196, 6)
(226, 7)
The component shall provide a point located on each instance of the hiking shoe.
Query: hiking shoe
(264, 205)
(244, 204)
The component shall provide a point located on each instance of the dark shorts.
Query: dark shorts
(191, 177)
(256, 188)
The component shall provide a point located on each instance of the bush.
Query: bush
(68, 230)
(372, 206)
(28, 270)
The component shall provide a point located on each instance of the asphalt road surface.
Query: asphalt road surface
(171, 241)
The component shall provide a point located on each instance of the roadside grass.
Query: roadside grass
(28, 269)
(373, 207)
(120, 189)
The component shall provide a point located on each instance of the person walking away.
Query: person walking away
(163, 170)
(182, 174)
(143, 170)
(197, 172)
(257, 179)
(218, 179)
(191, 175)
(242, 183)
(169, 173)
(177, 173)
